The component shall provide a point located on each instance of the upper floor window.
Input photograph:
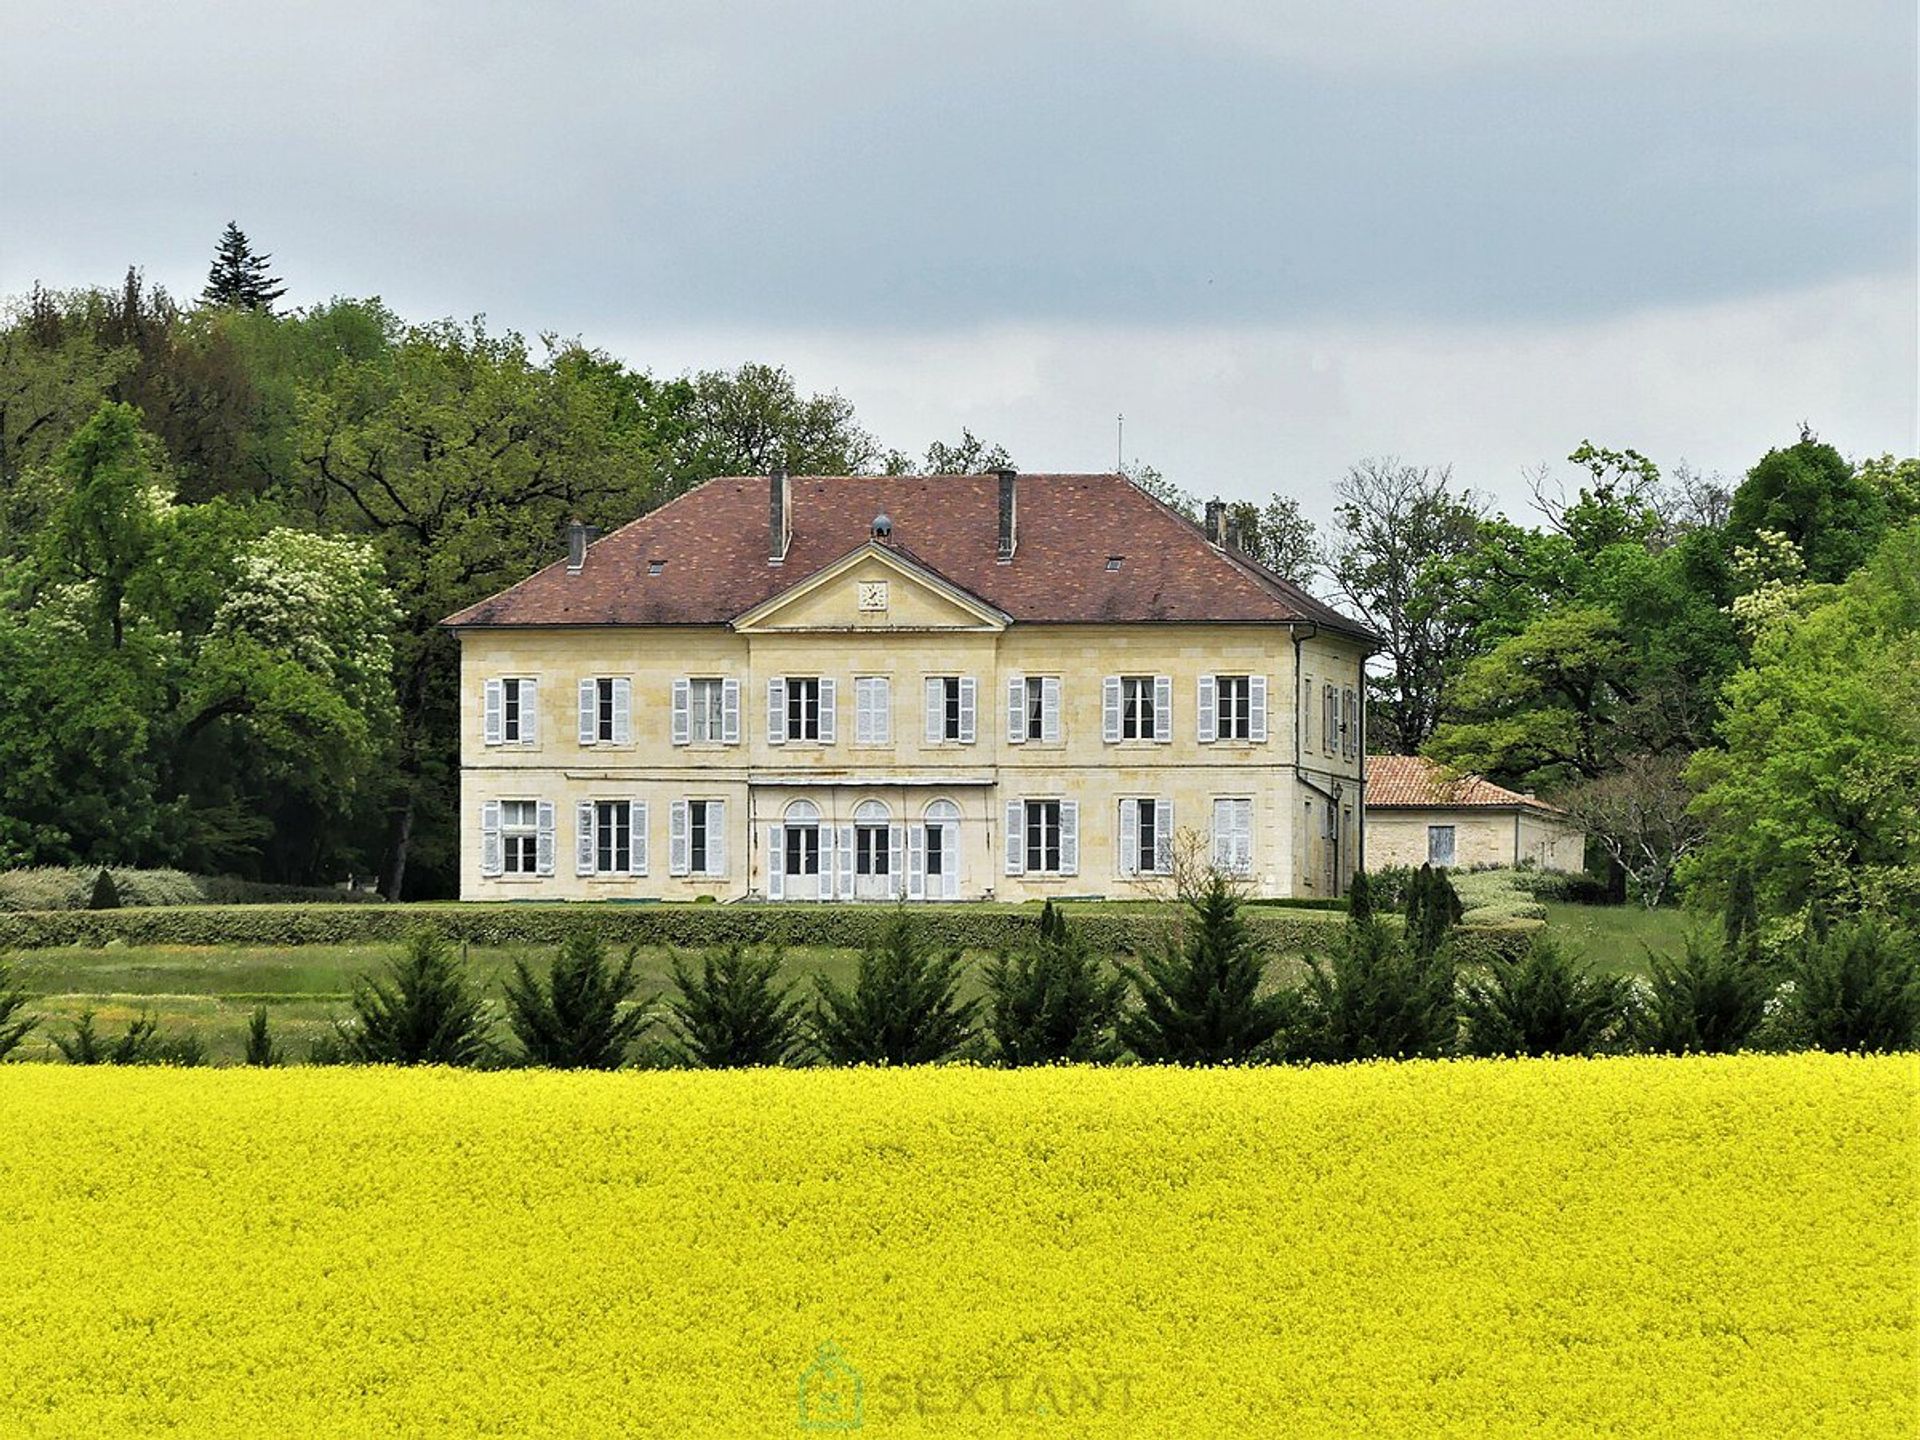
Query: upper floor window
(606, 710)
(1233, 707)
(706, 711)
(1349, 722)
(1330, 718)
(511, 711)
(1033, 708)
(800, 707)
(872, 710)
(950, 709)
(1137, 707)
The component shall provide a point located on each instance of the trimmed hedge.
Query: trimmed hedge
(71, 887)
(969, 927)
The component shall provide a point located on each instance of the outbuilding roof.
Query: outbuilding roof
(1412, 782)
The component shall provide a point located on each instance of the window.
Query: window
(1113, 561)
(1146, 837)
(870, 849)
(519, 837)
(1233, 707)
(707, 711)
(606, 708)
(936, 850)
(697, 838)
(1440, 844)
(1330, 719)
(800, 707)
(950, 706)
(1233, 836)
(1043, 836)
(1349, 722)
(872, 710)
(1136, 707)
(803, 849)
(1033, 708)
(613, 837)
(933, 853)
(655, 567)
(511, 712)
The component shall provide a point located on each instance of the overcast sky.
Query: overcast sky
(1278, 236)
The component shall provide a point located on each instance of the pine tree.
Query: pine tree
(239, 277)
(903, 1009)
(1545, 1003)
(1050, 1002)
(425, 1012)
(575, 1020)
(1374, 997)
(1200, 1001)
(261, 1049)
(733, 1013)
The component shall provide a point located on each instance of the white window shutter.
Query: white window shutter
(637, 828)
(1163, 708)
(1330, 726)
(917, 863)
(1223, 834)
(776, 862)
(967, 706)
(950, 860)
(1163, 836)
(1351, 735)
(716, 837)
(1050, 709)
(623, 711)
(682, 712)
(730, 712)
(1257, 708)
(493, 707)
(677, 838)
(1128, 860)
(1110, 709)
(1016, 709)
(829, 711)
(896, 860)
(777, 711)
(1243, 837)
(543, 841)
(883, 711)
(1069, 837)
(823, 885)
(583, 856)
(490, 862)
(1208, 725)
(844, 878)
(1306, 717)
(589, 711)
(1016, 838)
(529, 712)
(936, 708)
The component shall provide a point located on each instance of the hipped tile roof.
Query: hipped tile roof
(1398, 782)
(712, 543)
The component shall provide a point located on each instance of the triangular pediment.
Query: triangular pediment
(876, 587)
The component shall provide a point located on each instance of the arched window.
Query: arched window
(803, 812)
(871, 812)
(942, 811)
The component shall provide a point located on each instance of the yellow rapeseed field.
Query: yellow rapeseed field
(1632, 1246)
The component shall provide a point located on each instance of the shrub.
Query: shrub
(1360, 897)
(138, 1045)
(1052, 1001)
(1373, 996)
(576, 1020)
(1710, 1001)
(14, 1026)
(425, 1012)
(734, 1013)
(1433, 908)
(331, 1047)
(261, 1049)
(1494, 897)
(904, 1006)
(1855, 988)
(1200, 1001)
(106, 895)
(1546, 1003)
(54, 887)
(185, 1049)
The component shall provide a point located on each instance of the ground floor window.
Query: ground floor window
(613, 837)
(803, 849)
(1043, 836)
(1440, 844)
(519, 837)
(1233, 836)
(870, 850)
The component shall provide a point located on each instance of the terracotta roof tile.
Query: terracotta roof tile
(712, 543)
(1413, 782)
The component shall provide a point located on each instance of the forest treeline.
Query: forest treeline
(227, 533)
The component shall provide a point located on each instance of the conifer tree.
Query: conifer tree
(575, 1020)
(424, 1012)
(1433, 908)
(1049, 1002)
(732, 1013)
(1200, 1001)
(14, 1026)
(904, 1007)
(239, 277)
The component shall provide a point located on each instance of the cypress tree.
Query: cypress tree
(575, 1020)
(424, 1012)
(1050, 1002)
(733, 1013)
(1200, 1001)
(904, 1007)
(14, 1026)
(1433, 908)
(1360, 898)
(239, 277)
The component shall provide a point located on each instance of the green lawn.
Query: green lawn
(1616, 938)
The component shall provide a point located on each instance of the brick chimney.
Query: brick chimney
(1009, 514)
(1216, 520)
(779, 515)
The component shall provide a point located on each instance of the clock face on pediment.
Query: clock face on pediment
(873, 594)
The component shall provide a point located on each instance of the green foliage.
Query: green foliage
(1545, 1003)
(1200, 1000)
(1373, 996)
(425, 1011)
(239, 277)
(1816, 797)
(733, 1013)
(1481, 897)
(1855, 989)
(55, 887)
(583, 1017)
(106, 895)
(140, 1044)
(1709, 1001)
(1052, 1000)
(1433, 908)
(261, 1049)
(903, 1008)
(1810, 494)
(1360, 898)
(15, 1024)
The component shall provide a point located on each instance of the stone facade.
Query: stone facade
(1481, 837)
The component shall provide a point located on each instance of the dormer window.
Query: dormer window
(654, 567)
(1113, 561)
